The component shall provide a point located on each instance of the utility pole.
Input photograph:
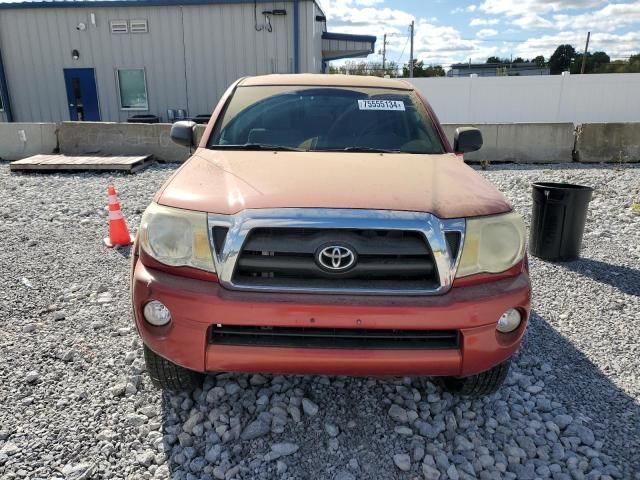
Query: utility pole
(584, 56)
(411, 52)
(384, 53)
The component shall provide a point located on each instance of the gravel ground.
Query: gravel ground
(75, 402)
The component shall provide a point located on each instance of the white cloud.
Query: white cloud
(345, 15)
(486, 32)
(445, 45)
(524, 7)
(532, 21)
(617, 46)
(434, 43)
(609, 18)
(468, 8)
(552, 14)
(368, 3)
(477, 22)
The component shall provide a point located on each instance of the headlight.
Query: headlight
(176, 237)
(492, 244)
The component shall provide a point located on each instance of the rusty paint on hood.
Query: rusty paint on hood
(227, 182)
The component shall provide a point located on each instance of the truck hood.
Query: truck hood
(227, 182)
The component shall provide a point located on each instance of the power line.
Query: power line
(403, 49)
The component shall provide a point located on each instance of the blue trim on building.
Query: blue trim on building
(4, 92)
(120, 3)
(296, 36)
(349, 37)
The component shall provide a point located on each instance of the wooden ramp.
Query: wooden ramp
(50, 163)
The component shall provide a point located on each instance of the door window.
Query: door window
(132, 87)
(77, 95)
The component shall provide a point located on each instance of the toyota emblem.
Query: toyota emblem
(336, 258)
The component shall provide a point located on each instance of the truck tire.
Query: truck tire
(169, 376)
(484, 383)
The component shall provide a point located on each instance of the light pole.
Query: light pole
(411, 51)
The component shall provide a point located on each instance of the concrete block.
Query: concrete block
(608, 142)
(199, 132)
(21, 140)
(521, 142)
(503, 142)
(121, 139)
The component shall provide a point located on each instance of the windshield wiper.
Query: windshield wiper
(257, 146)
(357, 149)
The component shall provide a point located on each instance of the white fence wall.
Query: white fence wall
(554, 98)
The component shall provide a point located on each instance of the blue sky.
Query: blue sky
(455, 31)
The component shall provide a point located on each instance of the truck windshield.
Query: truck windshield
(349, 119)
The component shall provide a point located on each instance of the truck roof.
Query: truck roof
(311, 79)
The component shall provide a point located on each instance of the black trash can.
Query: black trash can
(557, 223)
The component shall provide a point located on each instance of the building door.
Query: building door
(82, 94)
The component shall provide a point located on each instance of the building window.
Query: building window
(1, 104)
(132, 86)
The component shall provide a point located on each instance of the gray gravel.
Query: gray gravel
(75, 402)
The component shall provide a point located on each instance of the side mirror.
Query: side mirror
(182, 133)
(467, 139)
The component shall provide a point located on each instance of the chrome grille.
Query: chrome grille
(276, 250)
(287, 257)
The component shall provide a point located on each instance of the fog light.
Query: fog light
(509, 321)
(156, 313)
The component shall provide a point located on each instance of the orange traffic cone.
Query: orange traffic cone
(118, 232)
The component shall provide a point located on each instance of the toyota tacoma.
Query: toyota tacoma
(325, 225)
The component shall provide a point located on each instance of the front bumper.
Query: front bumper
(196, 305)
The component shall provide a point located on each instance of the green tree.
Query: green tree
(434, 71)
(597, 62)
(539, 61)
(624, 66)
(560, 61)
(365, 68)
(633, 65)
(518, 60)
(493, 60)
(420, 70)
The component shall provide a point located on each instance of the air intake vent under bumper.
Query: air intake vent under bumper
(296, 337)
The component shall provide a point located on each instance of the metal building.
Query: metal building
(108, 60)
(496, 69)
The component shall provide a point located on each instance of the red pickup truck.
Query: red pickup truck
(325, 225)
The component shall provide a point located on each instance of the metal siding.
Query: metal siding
(222, 45)
(317, 39)
(310, 38)
(220, 42)
(49, 35)
(304, 41)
